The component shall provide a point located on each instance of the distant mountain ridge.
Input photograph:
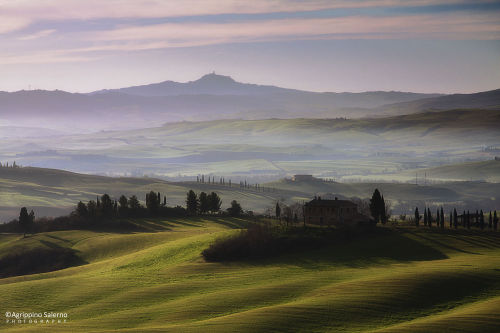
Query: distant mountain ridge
(215, 84)
(484, 100)
(209, 84)
(211, 97)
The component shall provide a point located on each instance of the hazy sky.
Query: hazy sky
(319, 45)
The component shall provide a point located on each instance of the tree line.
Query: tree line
(209, 203)
(103, 210)
(465, 220)
(202, 179)
(7, 165)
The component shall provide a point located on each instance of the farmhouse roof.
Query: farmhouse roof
(330, 203)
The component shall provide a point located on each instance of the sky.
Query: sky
(446, 46)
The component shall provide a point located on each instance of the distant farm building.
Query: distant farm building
(331, 212)
(302, 178)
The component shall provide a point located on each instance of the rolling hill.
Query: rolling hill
(483, 100)
(52, 192)
(488, 171)
(401, 280)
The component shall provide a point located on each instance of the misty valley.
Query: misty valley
(414, 144)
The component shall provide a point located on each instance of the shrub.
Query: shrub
(37, 260)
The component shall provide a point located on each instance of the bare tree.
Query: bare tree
(388, 209)
(297, 211)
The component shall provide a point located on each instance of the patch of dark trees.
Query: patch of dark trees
(261, 241)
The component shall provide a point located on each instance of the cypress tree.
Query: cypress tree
(153, 202)
(122, 210)
(91, 209)
(429, 217)
(495, 220)
(376, 206)
(383, 213)
(192, 202)
(214, 202)
(481, 220)
(81, 209)
(451, 220)
(438, 219)
(204, 206)
(24, 220)
(442, 218)
(468, 220)
(490, 221)
(417, 217)
(426, 219)
(107, 205)
(455, 218)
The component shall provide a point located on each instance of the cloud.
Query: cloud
(44, 57)
(38, 34)
(83, 45)
(36, 10)
(171, 35)
(477, 26)
(9, 24)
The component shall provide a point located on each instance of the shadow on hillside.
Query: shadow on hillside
(46, 258)
(233, 223)
(162, 224)
(440, 243)
(372, 250)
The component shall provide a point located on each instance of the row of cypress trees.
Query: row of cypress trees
(466, 220)
(243, 184)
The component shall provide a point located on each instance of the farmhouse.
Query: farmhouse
(330, 212)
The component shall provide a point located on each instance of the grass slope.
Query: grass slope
(486, 171)
(404, 280)
(52, 192)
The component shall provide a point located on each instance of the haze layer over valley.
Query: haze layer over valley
(219, 128)
(210, 97)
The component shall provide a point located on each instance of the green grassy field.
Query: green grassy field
(401, 280)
